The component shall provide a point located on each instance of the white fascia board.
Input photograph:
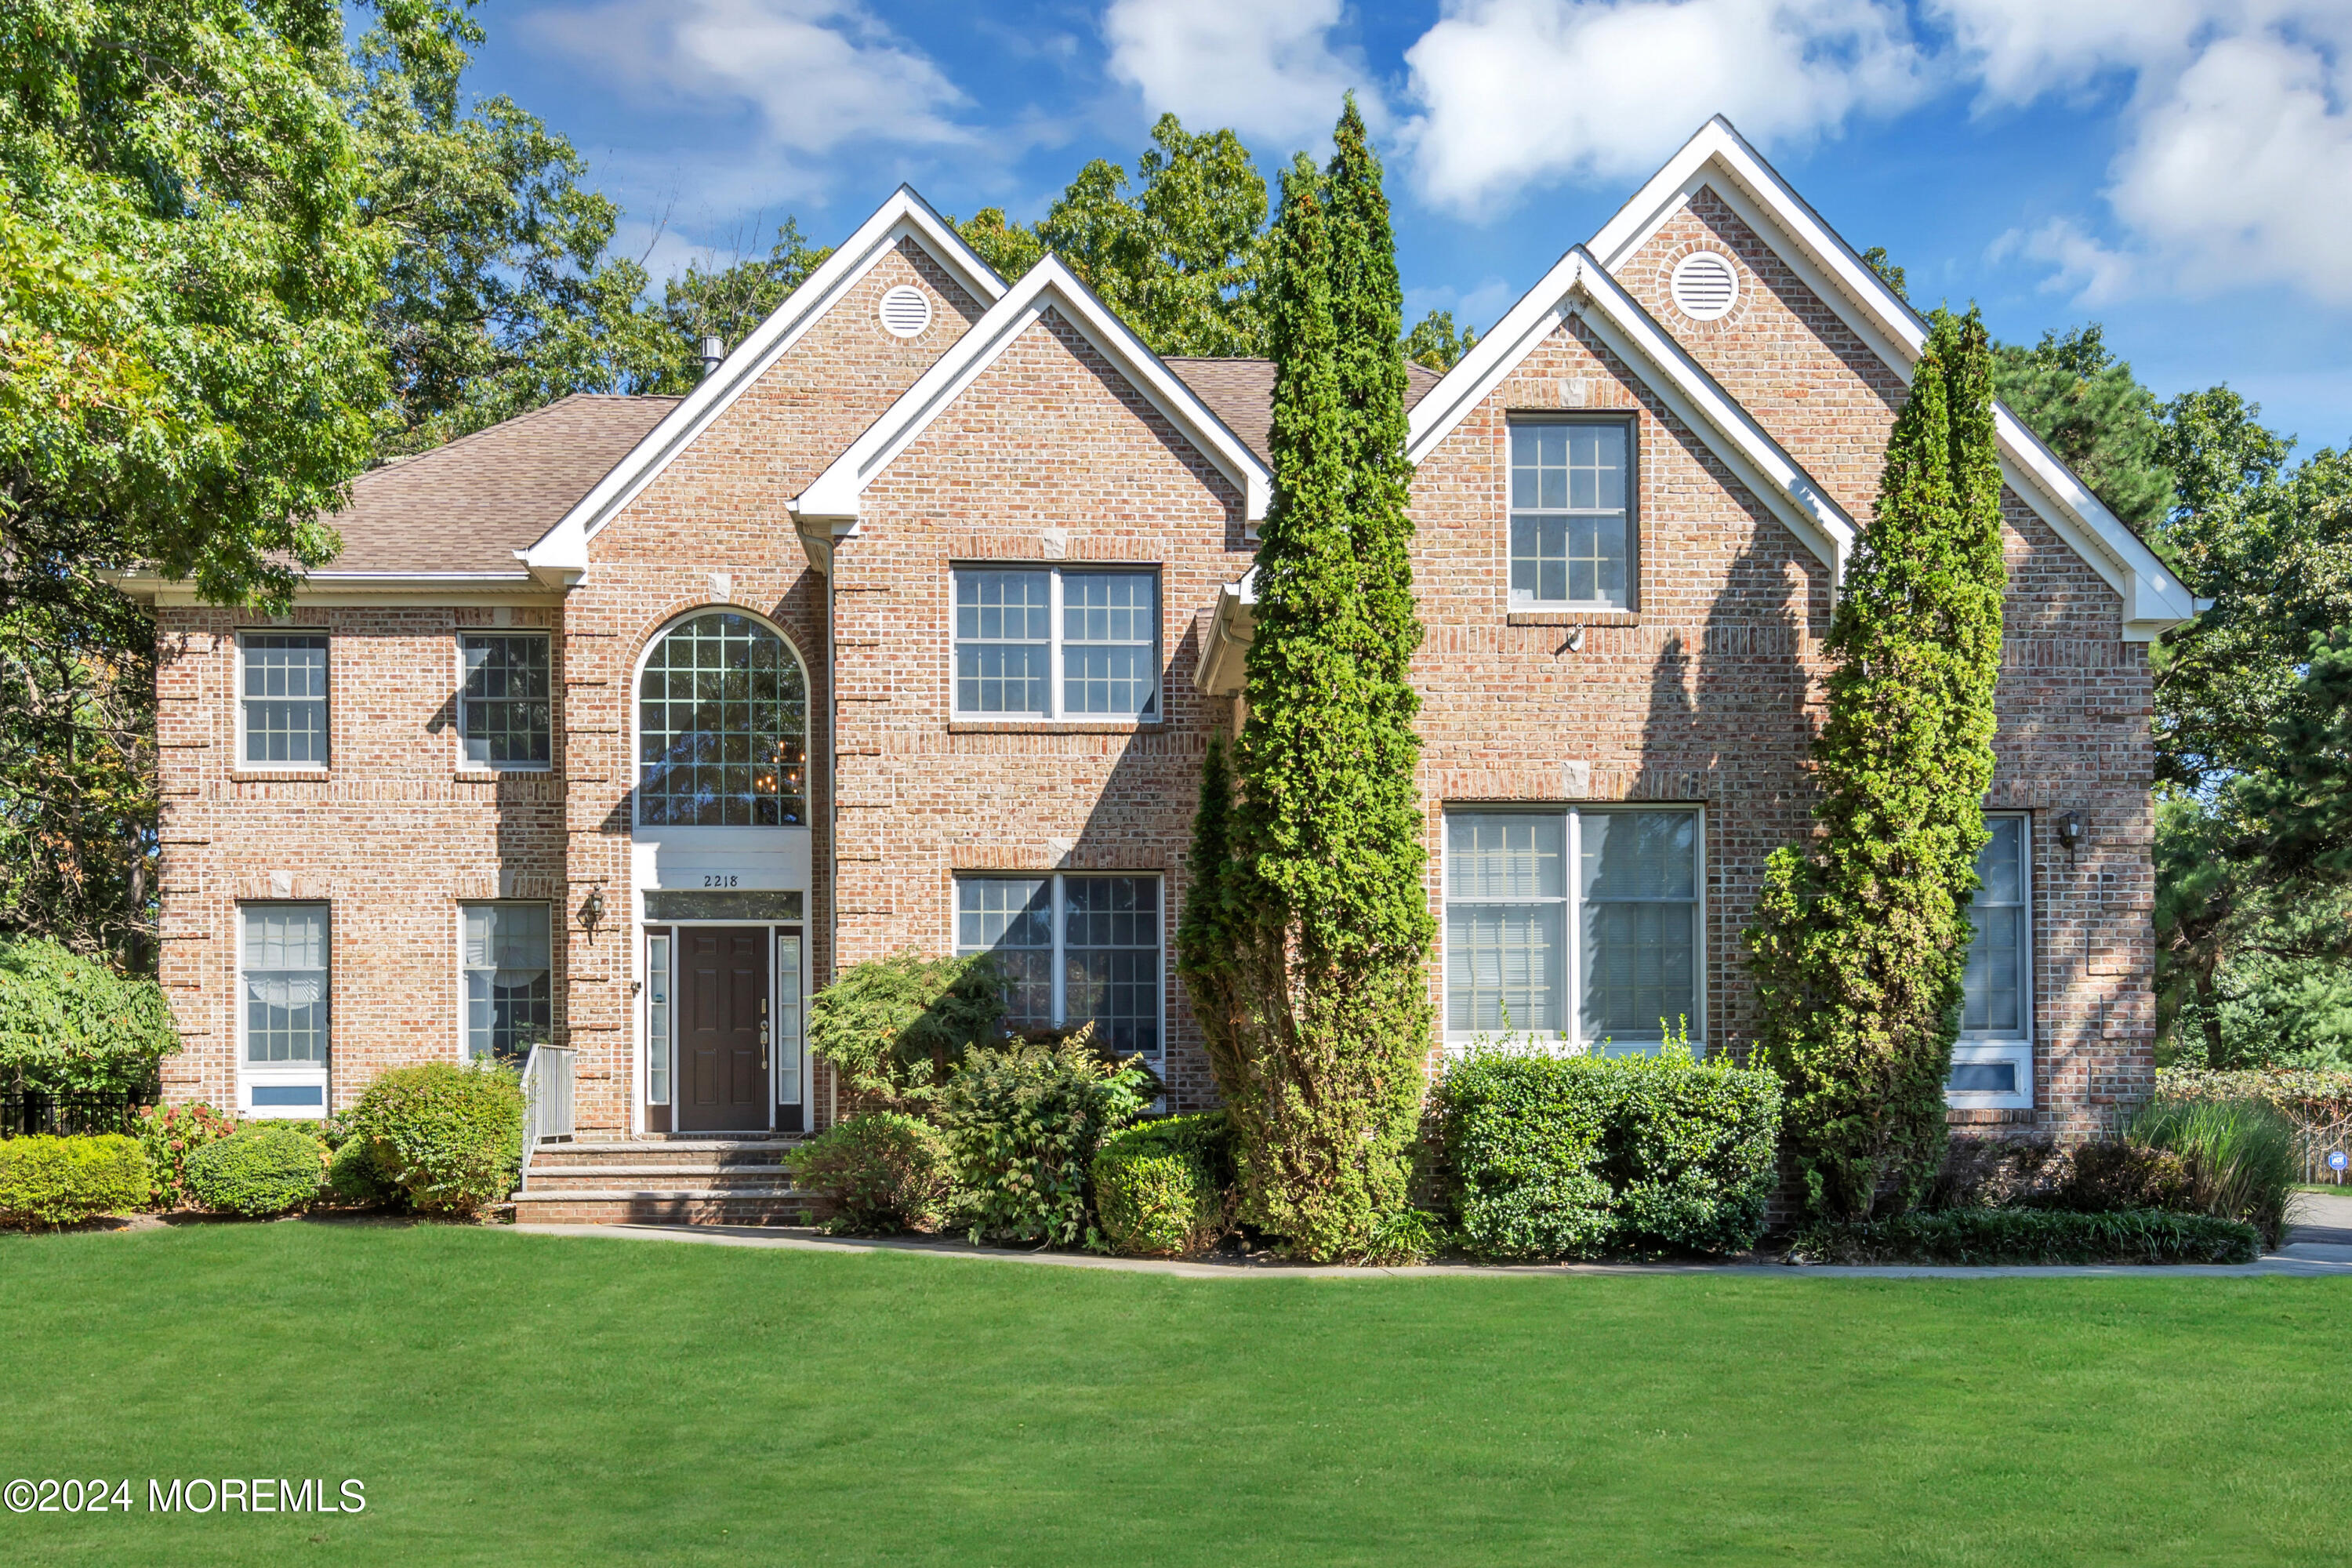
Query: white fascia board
(1221, 671)
(1720, 158)
(562, 554)
(1579, 286)
(837, 494)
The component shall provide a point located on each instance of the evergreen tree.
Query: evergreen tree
(1211, 924)
(2094, 413)
(1322, 908)
(1861, 934)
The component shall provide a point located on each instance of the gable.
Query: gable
(561, 555)
(831, 505)
(1718, 162)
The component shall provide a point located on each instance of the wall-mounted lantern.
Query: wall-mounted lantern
(2069, 827)
(592, 909)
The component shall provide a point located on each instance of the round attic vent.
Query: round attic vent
(1704, 286)
(906, 310)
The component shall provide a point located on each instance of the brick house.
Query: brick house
(624, 724)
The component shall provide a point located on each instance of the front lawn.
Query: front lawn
(512, 1399)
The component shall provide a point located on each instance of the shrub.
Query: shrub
(1163, 1188)
(2121, 1174)
(451, 1136)
(1574, 1156)
(1996, 1172)
(64, 1181)
(885, 1172)
(170, 1133)
(2244, 1155)
(2031, 1235)
(2319, 1103)
(71, 1025)
(896, 1026)
(264, 1168)
(357, 1179)
(1022, 1123)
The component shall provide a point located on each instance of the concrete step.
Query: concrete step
(703, 1206)
(660, 1178)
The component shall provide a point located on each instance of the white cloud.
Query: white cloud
(1519, 92)
(820, 73)
(2079, 265)
(2235, 159)
(1266, 67)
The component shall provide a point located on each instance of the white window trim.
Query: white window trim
(238, 697)
(554, 934)
(1056, 968)
(251, 1074)
(1571, 1041)
(458, 648)
(1053, 713)
(1985, 1047)
(1633, 425)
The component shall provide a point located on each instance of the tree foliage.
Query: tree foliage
(2093, 412)
(1435, 343)
(893, 1027)
(70, 1025)
(1862, 933)
(1310, 946)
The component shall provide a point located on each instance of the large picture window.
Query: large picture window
(1992, 1060)
(503, 709)
(722, 728)
(1572, 527)
(282, 961)
(282, 706)
(1072, 950)
(1578, 926)
(509, 995)
(1049, 643)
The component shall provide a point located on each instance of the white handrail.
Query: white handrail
(546, 1100)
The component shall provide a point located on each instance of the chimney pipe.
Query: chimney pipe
(714, 349)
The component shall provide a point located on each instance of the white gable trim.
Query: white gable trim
(1578, 285)
(836, 496)
(562, 554)
(1720, 158)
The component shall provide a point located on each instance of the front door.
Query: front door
(723, 1051)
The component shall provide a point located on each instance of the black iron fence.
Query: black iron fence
(70, 1115)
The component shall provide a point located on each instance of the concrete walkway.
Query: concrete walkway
(2319, 1244)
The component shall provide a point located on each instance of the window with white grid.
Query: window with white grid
(510, 995)
(1571, 534)
(722, 728)
(503, 710)
(1581, 926)
(1072, 950)
(283, 699)
(282, 967)
(1992, 1060)
(1056, 643)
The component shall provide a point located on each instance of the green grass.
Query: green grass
(512, 1399)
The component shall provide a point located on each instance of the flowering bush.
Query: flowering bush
(170, 1133)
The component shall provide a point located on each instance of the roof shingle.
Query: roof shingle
(1240, 393)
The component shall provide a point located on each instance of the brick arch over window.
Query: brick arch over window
(722, 724)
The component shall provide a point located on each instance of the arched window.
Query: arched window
(722, 728)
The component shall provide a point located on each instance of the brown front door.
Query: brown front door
(723, 1049)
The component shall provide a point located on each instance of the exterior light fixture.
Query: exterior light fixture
(2069, 827)
(592, 909)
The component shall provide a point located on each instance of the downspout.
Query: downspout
(833, 832)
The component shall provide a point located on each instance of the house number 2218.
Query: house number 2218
(721, 879)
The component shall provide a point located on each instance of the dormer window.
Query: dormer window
(1572, 518)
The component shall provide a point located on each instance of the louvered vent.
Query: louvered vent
(1704, 286)
(906, 310)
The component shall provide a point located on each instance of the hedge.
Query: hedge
(885, 1172)
(64, 1181)
(170, 1133)
(1162, 1188)
(451, 1136)
(2031, 1235)
(357, 1179)
(265, 1168)
(1582, 1156)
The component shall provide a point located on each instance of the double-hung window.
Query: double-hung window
(1072, 949)
(283, 981)
(1992, 1060)
(1056, 643)
(508, 991)
(503, 710)
(1571, 515)
(282, 701)
(1582, 927)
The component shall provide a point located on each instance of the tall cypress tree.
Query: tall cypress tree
(1861, 934)
(1323, 923)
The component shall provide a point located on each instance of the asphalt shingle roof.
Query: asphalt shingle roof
(1240, 393)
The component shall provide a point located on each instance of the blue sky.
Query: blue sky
(2180, 169)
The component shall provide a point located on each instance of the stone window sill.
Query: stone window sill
(490, 775)
(275, 775)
